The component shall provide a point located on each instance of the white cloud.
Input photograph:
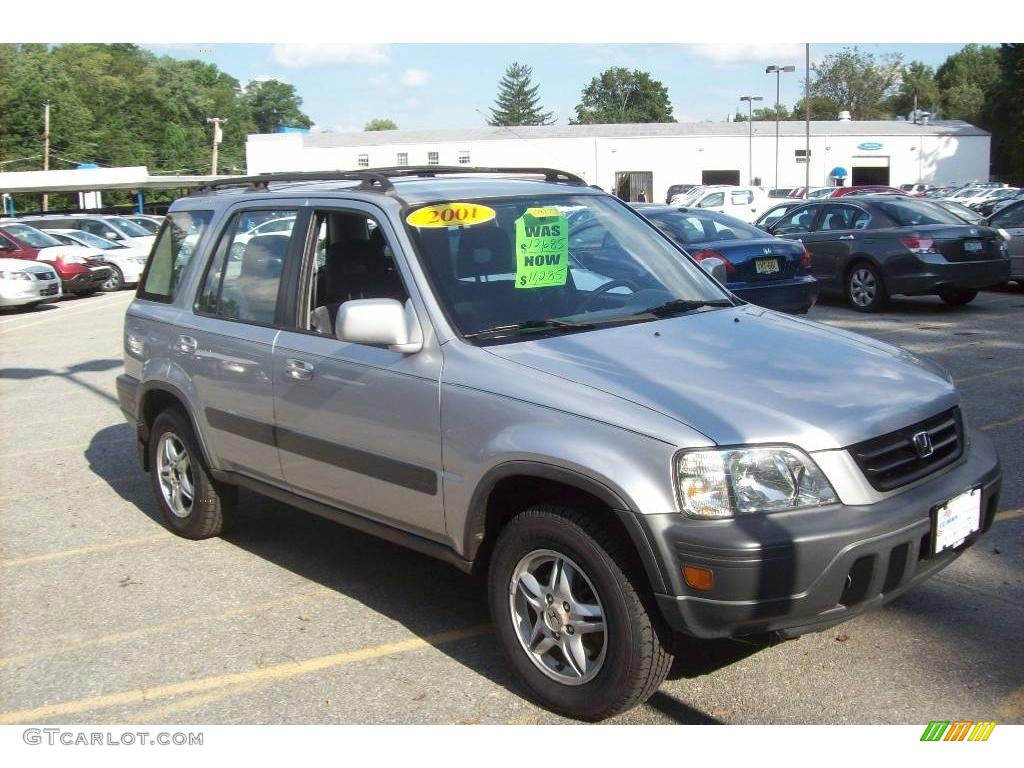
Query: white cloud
(767, 53)
(298, 55)
(414, 77)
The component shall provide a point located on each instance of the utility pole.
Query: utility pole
(778, 69)
(807, 120)
(218, 136)
(750, 135)
(46, 150)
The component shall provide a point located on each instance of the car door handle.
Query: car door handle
(186, 345)
(846, 237)
(299, 370)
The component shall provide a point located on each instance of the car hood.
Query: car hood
(23, 265)
(55, 252)
(749, 375)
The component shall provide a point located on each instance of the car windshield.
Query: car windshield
(31, 236)
(689, 227)
(521, 269)
(912, 212)
(128, 228)
(94, 241)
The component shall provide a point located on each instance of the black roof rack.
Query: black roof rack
(379, 179)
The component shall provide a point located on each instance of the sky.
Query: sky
(448, 85)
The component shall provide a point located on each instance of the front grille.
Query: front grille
(892, 460)
(45, 275)
(48, 291)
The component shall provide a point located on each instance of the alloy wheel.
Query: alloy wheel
(558, 617)
(174, 469)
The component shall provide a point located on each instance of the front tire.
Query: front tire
(865, 289)
(956, 297)
(573, 617)
(113, 283)
(192, 505)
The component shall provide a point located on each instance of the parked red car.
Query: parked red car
(82, 275)
(867, 189)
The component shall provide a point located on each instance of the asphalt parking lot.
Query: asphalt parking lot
(108, 618)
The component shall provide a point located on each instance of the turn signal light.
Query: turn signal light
(918, 244)
(708, 253)
(698, 578)
(805, 259)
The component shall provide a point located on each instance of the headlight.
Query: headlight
(70, 258)
(737, 481)
(14, 276)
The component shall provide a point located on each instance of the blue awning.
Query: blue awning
(839, 172)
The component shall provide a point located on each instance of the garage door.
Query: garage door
(870, 169)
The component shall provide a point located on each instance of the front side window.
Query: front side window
(843, 217)
(741, 197)
(1012, 216)
(713, 200)
(798, 220)
(175, 245)
(244, 276)
(517, 267)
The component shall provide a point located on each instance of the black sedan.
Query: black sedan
(764, 270)
(872, 247)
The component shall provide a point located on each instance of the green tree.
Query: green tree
(767, 113)
(273, 104)
(853, 80)
(1004, 114)
(917, 80)
(964, 80)
(620, 96)
(518, 102)
(381, 124)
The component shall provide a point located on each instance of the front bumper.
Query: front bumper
(86, 281)
(795, 296)
(931, 275)
(14, 293)
(807, 570)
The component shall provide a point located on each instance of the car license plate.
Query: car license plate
(766, 266)
(973, 246)
(957, 519)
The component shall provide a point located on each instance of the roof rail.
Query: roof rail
(549, 174)
(377, 179)
(369, 180)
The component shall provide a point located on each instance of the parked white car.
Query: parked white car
(115, 228)
(126, 262)
(743, 203)
(27, 282)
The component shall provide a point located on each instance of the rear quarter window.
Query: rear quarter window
(177, 242)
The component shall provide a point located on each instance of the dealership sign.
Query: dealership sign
(870, 145)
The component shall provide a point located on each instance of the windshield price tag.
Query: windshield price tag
(542, 248)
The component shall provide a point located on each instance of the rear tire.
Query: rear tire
(602, 672)
(865, 290)
(191, 503)
(956, 297)
(113, 283)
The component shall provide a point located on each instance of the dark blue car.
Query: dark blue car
(764, 270)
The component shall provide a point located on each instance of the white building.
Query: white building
(652, 156)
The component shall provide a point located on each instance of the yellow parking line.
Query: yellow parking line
(1008, 422)
(159, 714)
(30, 493)
(1000, 372)
(132, 634)
(84, 550)
(1009, 514)
(283, 671)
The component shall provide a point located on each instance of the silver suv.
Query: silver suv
(435, 356)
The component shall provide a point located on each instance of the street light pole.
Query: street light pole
(750, 135)
(217, 138)
(778, 69)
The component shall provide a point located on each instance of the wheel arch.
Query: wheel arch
(155, 397)
(509, 488)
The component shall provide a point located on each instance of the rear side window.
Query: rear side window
(741, 197)
(175, 245)
(244, 277)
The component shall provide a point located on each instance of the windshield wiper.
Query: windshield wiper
(530, 326)
(682, 306)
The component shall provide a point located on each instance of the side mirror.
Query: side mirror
(715, 267)
(380, 321)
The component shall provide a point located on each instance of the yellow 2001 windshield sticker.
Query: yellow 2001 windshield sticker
(450, 215)
(542, 248)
